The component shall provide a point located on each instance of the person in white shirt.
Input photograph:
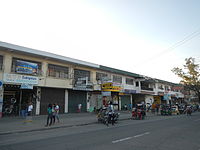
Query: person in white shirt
(30, 109)
(57, 108)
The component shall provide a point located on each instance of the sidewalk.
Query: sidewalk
(9, 125)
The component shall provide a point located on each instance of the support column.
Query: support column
(38, 101)
(1, 98)
(66, 101)
(7, 63)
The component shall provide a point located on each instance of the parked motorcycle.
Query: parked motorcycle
(9, 107)
(138, 114)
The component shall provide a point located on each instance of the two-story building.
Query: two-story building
(29, 75)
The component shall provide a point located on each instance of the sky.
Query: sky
(147, 37)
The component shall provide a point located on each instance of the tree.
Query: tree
(190, 75)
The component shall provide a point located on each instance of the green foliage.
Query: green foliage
(190, 75)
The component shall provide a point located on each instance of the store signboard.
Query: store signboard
(26, 86)
(83, 84)
(110, 87)
(129, 91)
(104, 93)
(26, 67)
(15, 78)
(1, 85)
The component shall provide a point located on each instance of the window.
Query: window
(117, 79)
(137, 84)
(166, 88)
(161, 87)
(101, 76)
(14, 63)
(152, 85)
(1, 62)
(129, 81)
(58, 71)
(78, 73)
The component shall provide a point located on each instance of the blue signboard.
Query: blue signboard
(26, 86)
(1, 84)
(26, 67)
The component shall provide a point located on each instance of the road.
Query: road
(156, 133)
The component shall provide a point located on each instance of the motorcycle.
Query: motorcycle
(138, 114)
(107, 117)
(134, 114)
(9, 108)
(189, 111)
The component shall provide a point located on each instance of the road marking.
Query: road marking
(120, 140)
(139, 135)
(128, 138)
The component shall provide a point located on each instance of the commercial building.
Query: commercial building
(29, 75)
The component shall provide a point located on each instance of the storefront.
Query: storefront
(80, 94)
(126, 98)
(110, 93)
(18, 91)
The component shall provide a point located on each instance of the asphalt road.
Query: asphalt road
(157, 133)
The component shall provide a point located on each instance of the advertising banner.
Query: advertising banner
(26, 67)
(15, 78)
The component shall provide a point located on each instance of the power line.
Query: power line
(174, 46)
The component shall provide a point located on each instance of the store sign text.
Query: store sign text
(110, 87)
(14, 78)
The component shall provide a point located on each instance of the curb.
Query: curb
(56, 127)
(44, 128)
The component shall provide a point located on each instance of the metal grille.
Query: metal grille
(81, 74)
(58, 71)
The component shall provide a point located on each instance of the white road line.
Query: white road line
(139, 135)
(128, 138)
(120, 140)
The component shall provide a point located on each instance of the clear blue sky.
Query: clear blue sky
(148, 37)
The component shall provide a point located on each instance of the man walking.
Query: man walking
(50, 116)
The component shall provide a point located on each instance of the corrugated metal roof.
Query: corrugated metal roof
(72, 60)
(117, 71)
(46, 54)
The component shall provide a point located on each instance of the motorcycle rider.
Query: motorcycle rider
(111, 114)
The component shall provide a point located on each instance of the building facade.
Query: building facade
(28, 75)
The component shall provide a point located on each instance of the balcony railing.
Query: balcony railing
(146, 88)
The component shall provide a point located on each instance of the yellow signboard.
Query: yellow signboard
(157, 100)
(110, 87)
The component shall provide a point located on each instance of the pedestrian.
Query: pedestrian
(79, 107)
(30, 109)
(125, 107)
(157, 108)
(49, 115)
(23, 110)
(53, 113)
(57, 108)
(130, 107)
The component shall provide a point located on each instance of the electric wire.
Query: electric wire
(174, 46)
